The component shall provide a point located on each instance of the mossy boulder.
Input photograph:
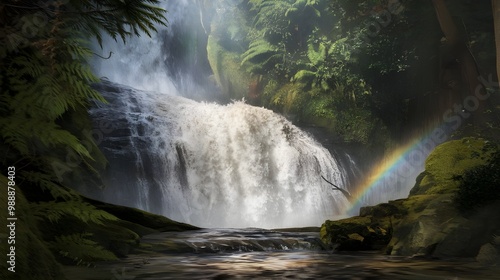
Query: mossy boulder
(449, 161)
(140, 221)
(430, 222)
(230, 77)
(225, 45)
(107, 240)
(372, 230)
(435, 225)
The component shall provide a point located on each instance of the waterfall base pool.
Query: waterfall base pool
(262, 254)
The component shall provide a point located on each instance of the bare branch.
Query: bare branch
(335, 187)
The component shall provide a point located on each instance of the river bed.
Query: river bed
(262, 254)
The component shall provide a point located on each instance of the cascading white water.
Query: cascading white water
(215, 165)
(173, 60)
(206, 164)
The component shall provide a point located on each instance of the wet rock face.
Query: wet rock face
(489, 253)
(428, 223)
(434, 225)
(372, 230)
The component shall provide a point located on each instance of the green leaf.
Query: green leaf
(79, 247)
(259, 48)
(54, 211)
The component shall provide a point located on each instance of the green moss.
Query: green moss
(451, 160)
(417, 205)
(138, 220)
(454, 157)
(331, 231)
(230, 76)
(359, 233)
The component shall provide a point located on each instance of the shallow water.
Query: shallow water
(198, 255)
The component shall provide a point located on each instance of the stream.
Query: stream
(267, 254)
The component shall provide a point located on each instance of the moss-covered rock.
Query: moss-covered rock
(430, 218)
(78, 242)
(449, 161)
(140, 221)
(231, 78)
(226, 43)
(372, 230)
(434, 225)
(429, 222)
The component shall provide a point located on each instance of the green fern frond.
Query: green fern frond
(78, 70)
(118, 18)
(316, 56)
(79, 247)
(54, 211)
(14, 136)
(300, 6)
(46, 182)
(21, 133)
(269, 11)
(26, 65)
(259, 48)
(304, 76)
(47, 80)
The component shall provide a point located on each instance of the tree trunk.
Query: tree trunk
(458, 47)
(496, 21)
(467, 81)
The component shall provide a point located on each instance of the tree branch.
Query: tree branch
(335, 187)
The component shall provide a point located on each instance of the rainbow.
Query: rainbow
(401, 166)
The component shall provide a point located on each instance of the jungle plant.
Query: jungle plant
(479, 186)
(279, 33)
(326, 61)
(312, 66)
(46, 87)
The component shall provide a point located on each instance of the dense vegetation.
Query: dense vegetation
(46, 89)
(373, 72)
(479, 186)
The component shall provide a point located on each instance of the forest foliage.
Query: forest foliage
(479, 186)
(46, 89)
(305, 43)
(367, 70)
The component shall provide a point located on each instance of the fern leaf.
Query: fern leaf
(54, 211)
(258, 48)
(316, 56)
(79, 247)
(47, 182)
(304, 76)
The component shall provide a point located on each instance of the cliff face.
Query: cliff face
(452, 211)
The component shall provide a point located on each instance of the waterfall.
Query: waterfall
(173, 60)
(206, 164)
(213, 165)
